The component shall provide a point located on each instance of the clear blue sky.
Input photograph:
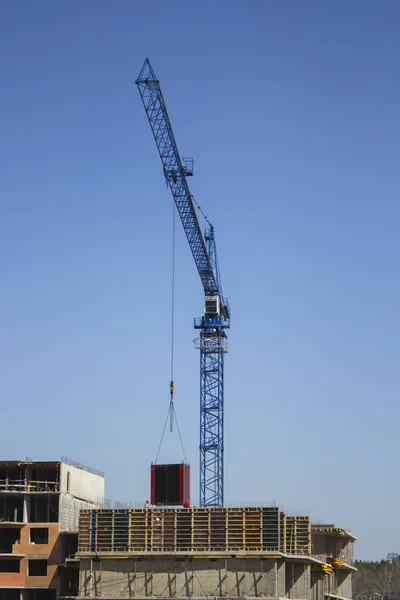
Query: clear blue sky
(291, 111)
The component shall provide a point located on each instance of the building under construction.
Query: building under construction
(39, 512)
(211, 552)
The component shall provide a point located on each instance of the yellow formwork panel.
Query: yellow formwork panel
(84, 530)
(218, 529)
(303, 535)
(184, 528)
(252, 529)
(291, 535)
(235, 529)
(84, 519)
(138, 529)
(155, 523)
(84, 514)
(169, 529)
(193, 530)
(283, 533)
(104, 530)
(298, 535)
(201, 529)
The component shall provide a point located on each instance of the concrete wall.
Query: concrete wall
(280, 578)
(317, 585)
(198, 578)
(82, 484)
(343, 580)
(297, 580)
(337, 546)
(69, 512)
(80, 489)
(347, 551)
(194, 577)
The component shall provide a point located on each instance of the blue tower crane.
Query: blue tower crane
(216, 318)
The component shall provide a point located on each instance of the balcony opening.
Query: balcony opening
(39, 535)
(45, 479)
(11, 508)
(44, 509)
(37, 568)
(13, 479)
(8, 537)
(9, 566)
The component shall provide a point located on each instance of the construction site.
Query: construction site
(57, 539)
(211, 552)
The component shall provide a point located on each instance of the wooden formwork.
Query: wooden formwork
(298, 535)
(282, 535)
(138, 541)
(291, 541)
(121, 530)
(235, 529)
(303, 531)
(169, 529)
(217, 528)
(84, 531)
(201, 529)
(271, 526)
(184, 529)
(155, 523)
(193, 530)
(252, 529)
(105, 526)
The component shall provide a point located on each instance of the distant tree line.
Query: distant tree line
(377, 580)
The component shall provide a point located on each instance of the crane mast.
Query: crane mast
(216, 319)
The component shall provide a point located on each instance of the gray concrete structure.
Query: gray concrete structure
(80, 488)
(334, 546)
(196, 577)
(323, 575)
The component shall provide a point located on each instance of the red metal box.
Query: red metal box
(170, 485)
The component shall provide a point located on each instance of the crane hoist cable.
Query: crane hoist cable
(171, 413)
(171, 383)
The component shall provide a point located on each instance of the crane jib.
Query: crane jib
(174, 173)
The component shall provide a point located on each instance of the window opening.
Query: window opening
(9, 566)
(37, 568)
(8, 537)
(39, 535)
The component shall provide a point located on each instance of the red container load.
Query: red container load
(170, 485)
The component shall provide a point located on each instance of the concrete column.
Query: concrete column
(26, 515)
(280, 578)
(26, 508)
(317, 585)
(300, 585)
